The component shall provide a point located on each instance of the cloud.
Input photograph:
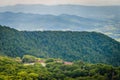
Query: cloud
(56, 2)
(109, 30)
(118, 39)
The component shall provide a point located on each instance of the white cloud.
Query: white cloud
(118, 39)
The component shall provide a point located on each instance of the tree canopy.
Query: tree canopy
(90, 47)
(10, 69)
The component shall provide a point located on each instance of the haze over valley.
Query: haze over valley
(105, 19)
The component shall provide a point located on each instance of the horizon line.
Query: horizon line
(62, 5)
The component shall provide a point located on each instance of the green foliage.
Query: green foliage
(67, 45)
(10, 69)
(28, 59)
(49, 60)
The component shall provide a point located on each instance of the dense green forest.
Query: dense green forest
(89, 47)
(55, 69)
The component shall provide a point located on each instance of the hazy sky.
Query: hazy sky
(56, 2)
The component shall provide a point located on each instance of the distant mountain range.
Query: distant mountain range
(79, 10)
(105, 19)
(90, 47)
(31, 22)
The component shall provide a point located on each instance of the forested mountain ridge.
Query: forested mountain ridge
(90, 47)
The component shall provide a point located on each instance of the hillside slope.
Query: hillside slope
(90, 47)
